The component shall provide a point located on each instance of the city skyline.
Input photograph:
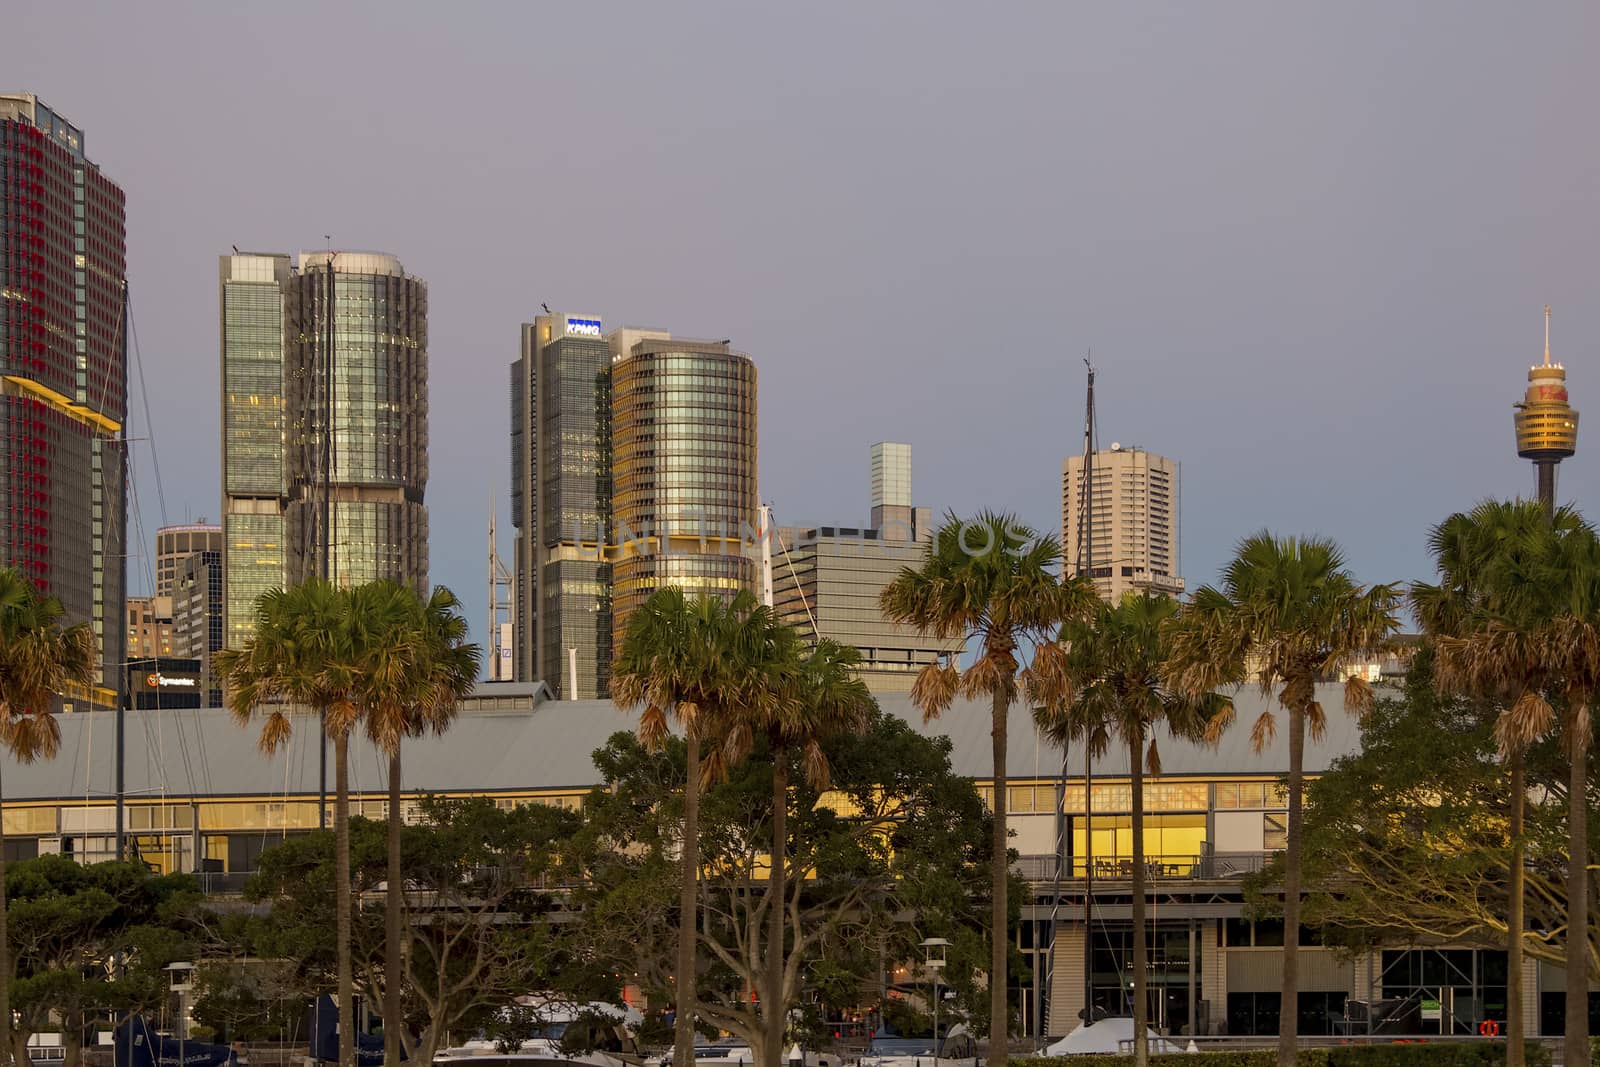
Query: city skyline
(1388, 224)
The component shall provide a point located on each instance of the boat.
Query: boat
(886, 1049)
(605, 1029)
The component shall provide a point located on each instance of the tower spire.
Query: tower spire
(1547, 335)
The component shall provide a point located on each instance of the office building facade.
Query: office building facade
(356, 377)
(684, 469)
(1122, 529)
(561, 505)
(63, 372)
(174, 546)
(325, 424)
(827, 579)
(197, 617)
(255, 484)
(149, 627)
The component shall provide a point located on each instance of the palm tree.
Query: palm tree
(39, 659)
(307, 652)
(990, 580)
(1500, 582)
(695, 661)
(417, 672)
(826, 699)
(1115, 660)
(1288, 613)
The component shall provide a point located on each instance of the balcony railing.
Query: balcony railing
(1206, 867)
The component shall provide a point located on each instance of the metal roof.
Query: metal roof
(183, 753)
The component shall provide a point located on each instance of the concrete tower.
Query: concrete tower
(1547, 427)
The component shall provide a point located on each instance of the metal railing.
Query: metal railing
(1207, 867)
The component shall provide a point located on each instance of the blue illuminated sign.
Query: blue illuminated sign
(586, 327)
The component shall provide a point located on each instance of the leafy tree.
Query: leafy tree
(92, 939)
(896, 850)
(697, 661)
(1518, 617)
(1114, 666)
(990, 580)
(39, 658)
(1289, 613)
(1401, 850)
(251, 1000)
(1500, 582)
(826, 699)
(484, 882)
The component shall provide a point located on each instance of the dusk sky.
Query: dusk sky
(1309, 247)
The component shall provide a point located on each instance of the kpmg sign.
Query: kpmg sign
(583, 327)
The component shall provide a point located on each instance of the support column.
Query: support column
(1213, 975)
(1066, 998)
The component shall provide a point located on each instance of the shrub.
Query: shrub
(1432, 1054)
(1387, 1054)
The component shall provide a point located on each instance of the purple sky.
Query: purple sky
(1309, 247)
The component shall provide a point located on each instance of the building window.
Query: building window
(1275, 832)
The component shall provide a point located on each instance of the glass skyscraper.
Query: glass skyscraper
(683, 442)
(254, 483)
(561, 504)
(63, 373)
(325, 424)
(357, 426)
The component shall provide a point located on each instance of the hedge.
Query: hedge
(1389, 1054)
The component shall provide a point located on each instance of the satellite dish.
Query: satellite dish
(1116, 446)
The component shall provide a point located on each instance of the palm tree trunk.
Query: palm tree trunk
(5, 952)
(683, 1024)
(1289, 1001)
(393, 897)
(1516, 1051)
(776, 1013)
(999, 1019)
(1577, 1038)
(341, 897)
(1141, 1006)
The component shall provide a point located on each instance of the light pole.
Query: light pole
(181, 981)
(933, 960)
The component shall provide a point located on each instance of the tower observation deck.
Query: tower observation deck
(1547, 426)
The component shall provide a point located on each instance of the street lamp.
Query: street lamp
(181, 982)
(933, 958)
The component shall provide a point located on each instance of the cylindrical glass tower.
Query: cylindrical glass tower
(357, 385)
(683, 441)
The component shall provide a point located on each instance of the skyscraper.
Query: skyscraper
(891, 486)
(63, 371)
(357, 419)
(1132, 540)
(325, 424)
(561, 504)
(174, 546)
(255, 483)
(197, 617)
(683, 446)
(827, 579)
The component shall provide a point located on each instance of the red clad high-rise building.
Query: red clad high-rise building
(63, 370)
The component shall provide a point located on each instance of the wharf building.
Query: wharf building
(63, 376)
(1213, 816)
